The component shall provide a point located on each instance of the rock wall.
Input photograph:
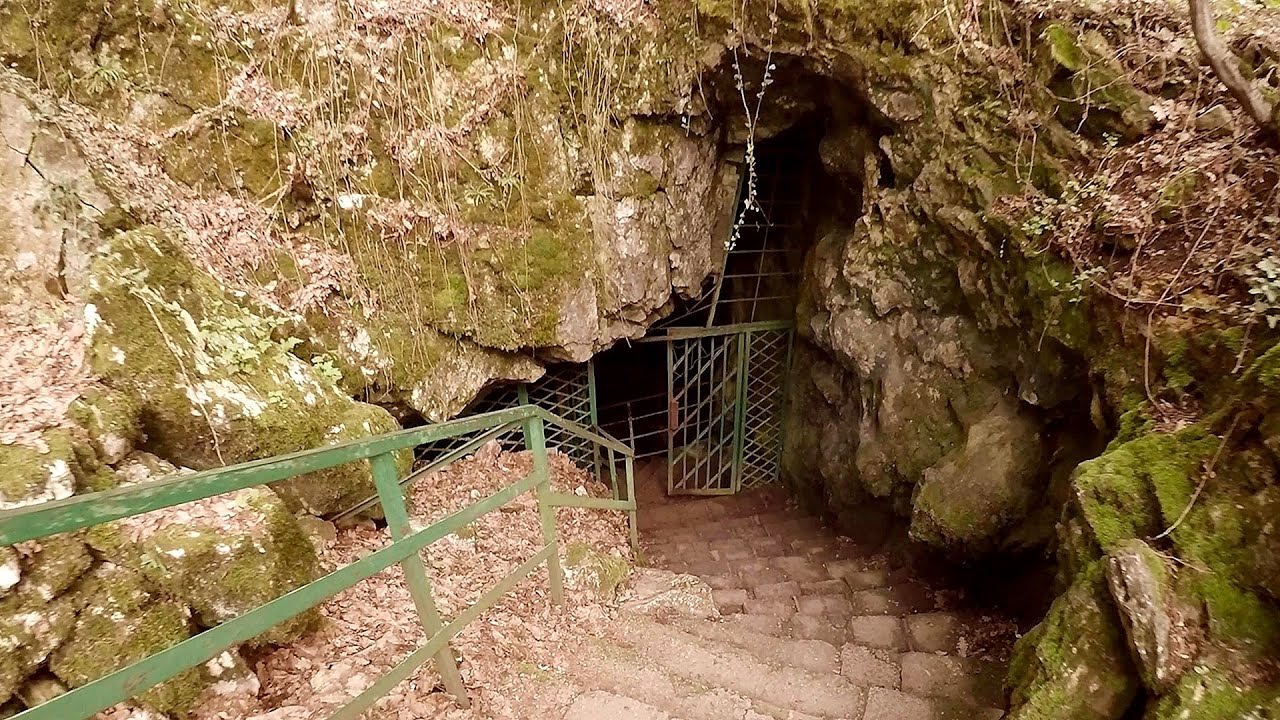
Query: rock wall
(222, 223)
(1043, 229)
(996, 314)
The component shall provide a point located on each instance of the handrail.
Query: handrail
(406, 549)
(444, 460)
(81, 511)
(595, 435)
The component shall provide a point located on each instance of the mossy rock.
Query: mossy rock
(973, 496)
(1075, 664)
(121, 623)
(236, 153)
(30, 631)
(1097, 93)
(29, 475)
(608, 571)
(252, 553)
(1218, 525)
(214, 384)
(108, 54)
(38, 612)
(111, 420)
(1209, 693)
(1123, 492)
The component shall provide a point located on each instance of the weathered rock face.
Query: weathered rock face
(1074, 665)
(272, 217)
(1162, 630)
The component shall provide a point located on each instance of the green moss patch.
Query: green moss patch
(1123, 493)
(259, 554)
(1080, 644)
(122, 623)
(214, 383)
(609, 571)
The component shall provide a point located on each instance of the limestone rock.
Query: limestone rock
(50, 212)
(977, 492)
(651, 591)
(121, 623)
(234, 553)
(10, 569)
(216, 386)
(32, 477)
(37, 615)
(111, 419)
(1162, 630)
(220, 557)
(1099, 93)
(40, 689)
(1216, 120)
(1075, 663)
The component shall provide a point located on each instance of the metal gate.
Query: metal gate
(724, 397)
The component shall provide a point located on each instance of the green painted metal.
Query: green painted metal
(82, 511)
(695, 332)
(632, 524)
(703, 382)
(535, 440)
(725, 390)
(391, 494)
(450, 456)
(765, 364)
(123, 684)
(438, 642)
(594, 503)
(405, 549)
(740, 407)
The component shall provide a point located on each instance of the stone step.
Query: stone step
(708, 512)
(718, 664)
(886, 704)
(598, 704)
(976, 682)
(813, 655)
(623, 672)
(760, 624)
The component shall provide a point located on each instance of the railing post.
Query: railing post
(535, 440)
(613, 473)
(391, 495)
(631, 495)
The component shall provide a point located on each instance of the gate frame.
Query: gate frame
(743, 333)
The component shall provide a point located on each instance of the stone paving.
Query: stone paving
(812, 626)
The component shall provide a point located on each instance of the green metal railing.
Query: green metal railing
(84, 511)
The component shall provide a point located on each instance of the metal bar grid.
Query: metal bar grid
(703, 382)
(766, 360)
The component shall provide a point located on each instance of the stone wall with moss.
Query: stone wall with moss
(970, 365)
(257, 216)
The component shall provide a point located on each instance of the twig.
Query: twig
(1208, 473)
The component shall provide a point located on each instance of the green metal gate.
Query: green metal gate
(724, 392)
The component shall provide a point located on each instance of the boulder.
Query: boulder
(658, 592)
(111, 421)
(34, 619)
(979, 491)
(33, 475)
(1164, 632)
(121, 623)
(1075, 664)
(220, 557)
(215, 383)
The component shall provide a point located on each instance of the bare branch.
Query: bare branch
(1226, 66)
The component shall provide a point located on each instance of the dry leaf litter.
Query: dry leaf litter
(509, 657)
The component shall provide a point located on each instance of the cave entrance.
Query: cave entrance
(701, 395)
(704, 390)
